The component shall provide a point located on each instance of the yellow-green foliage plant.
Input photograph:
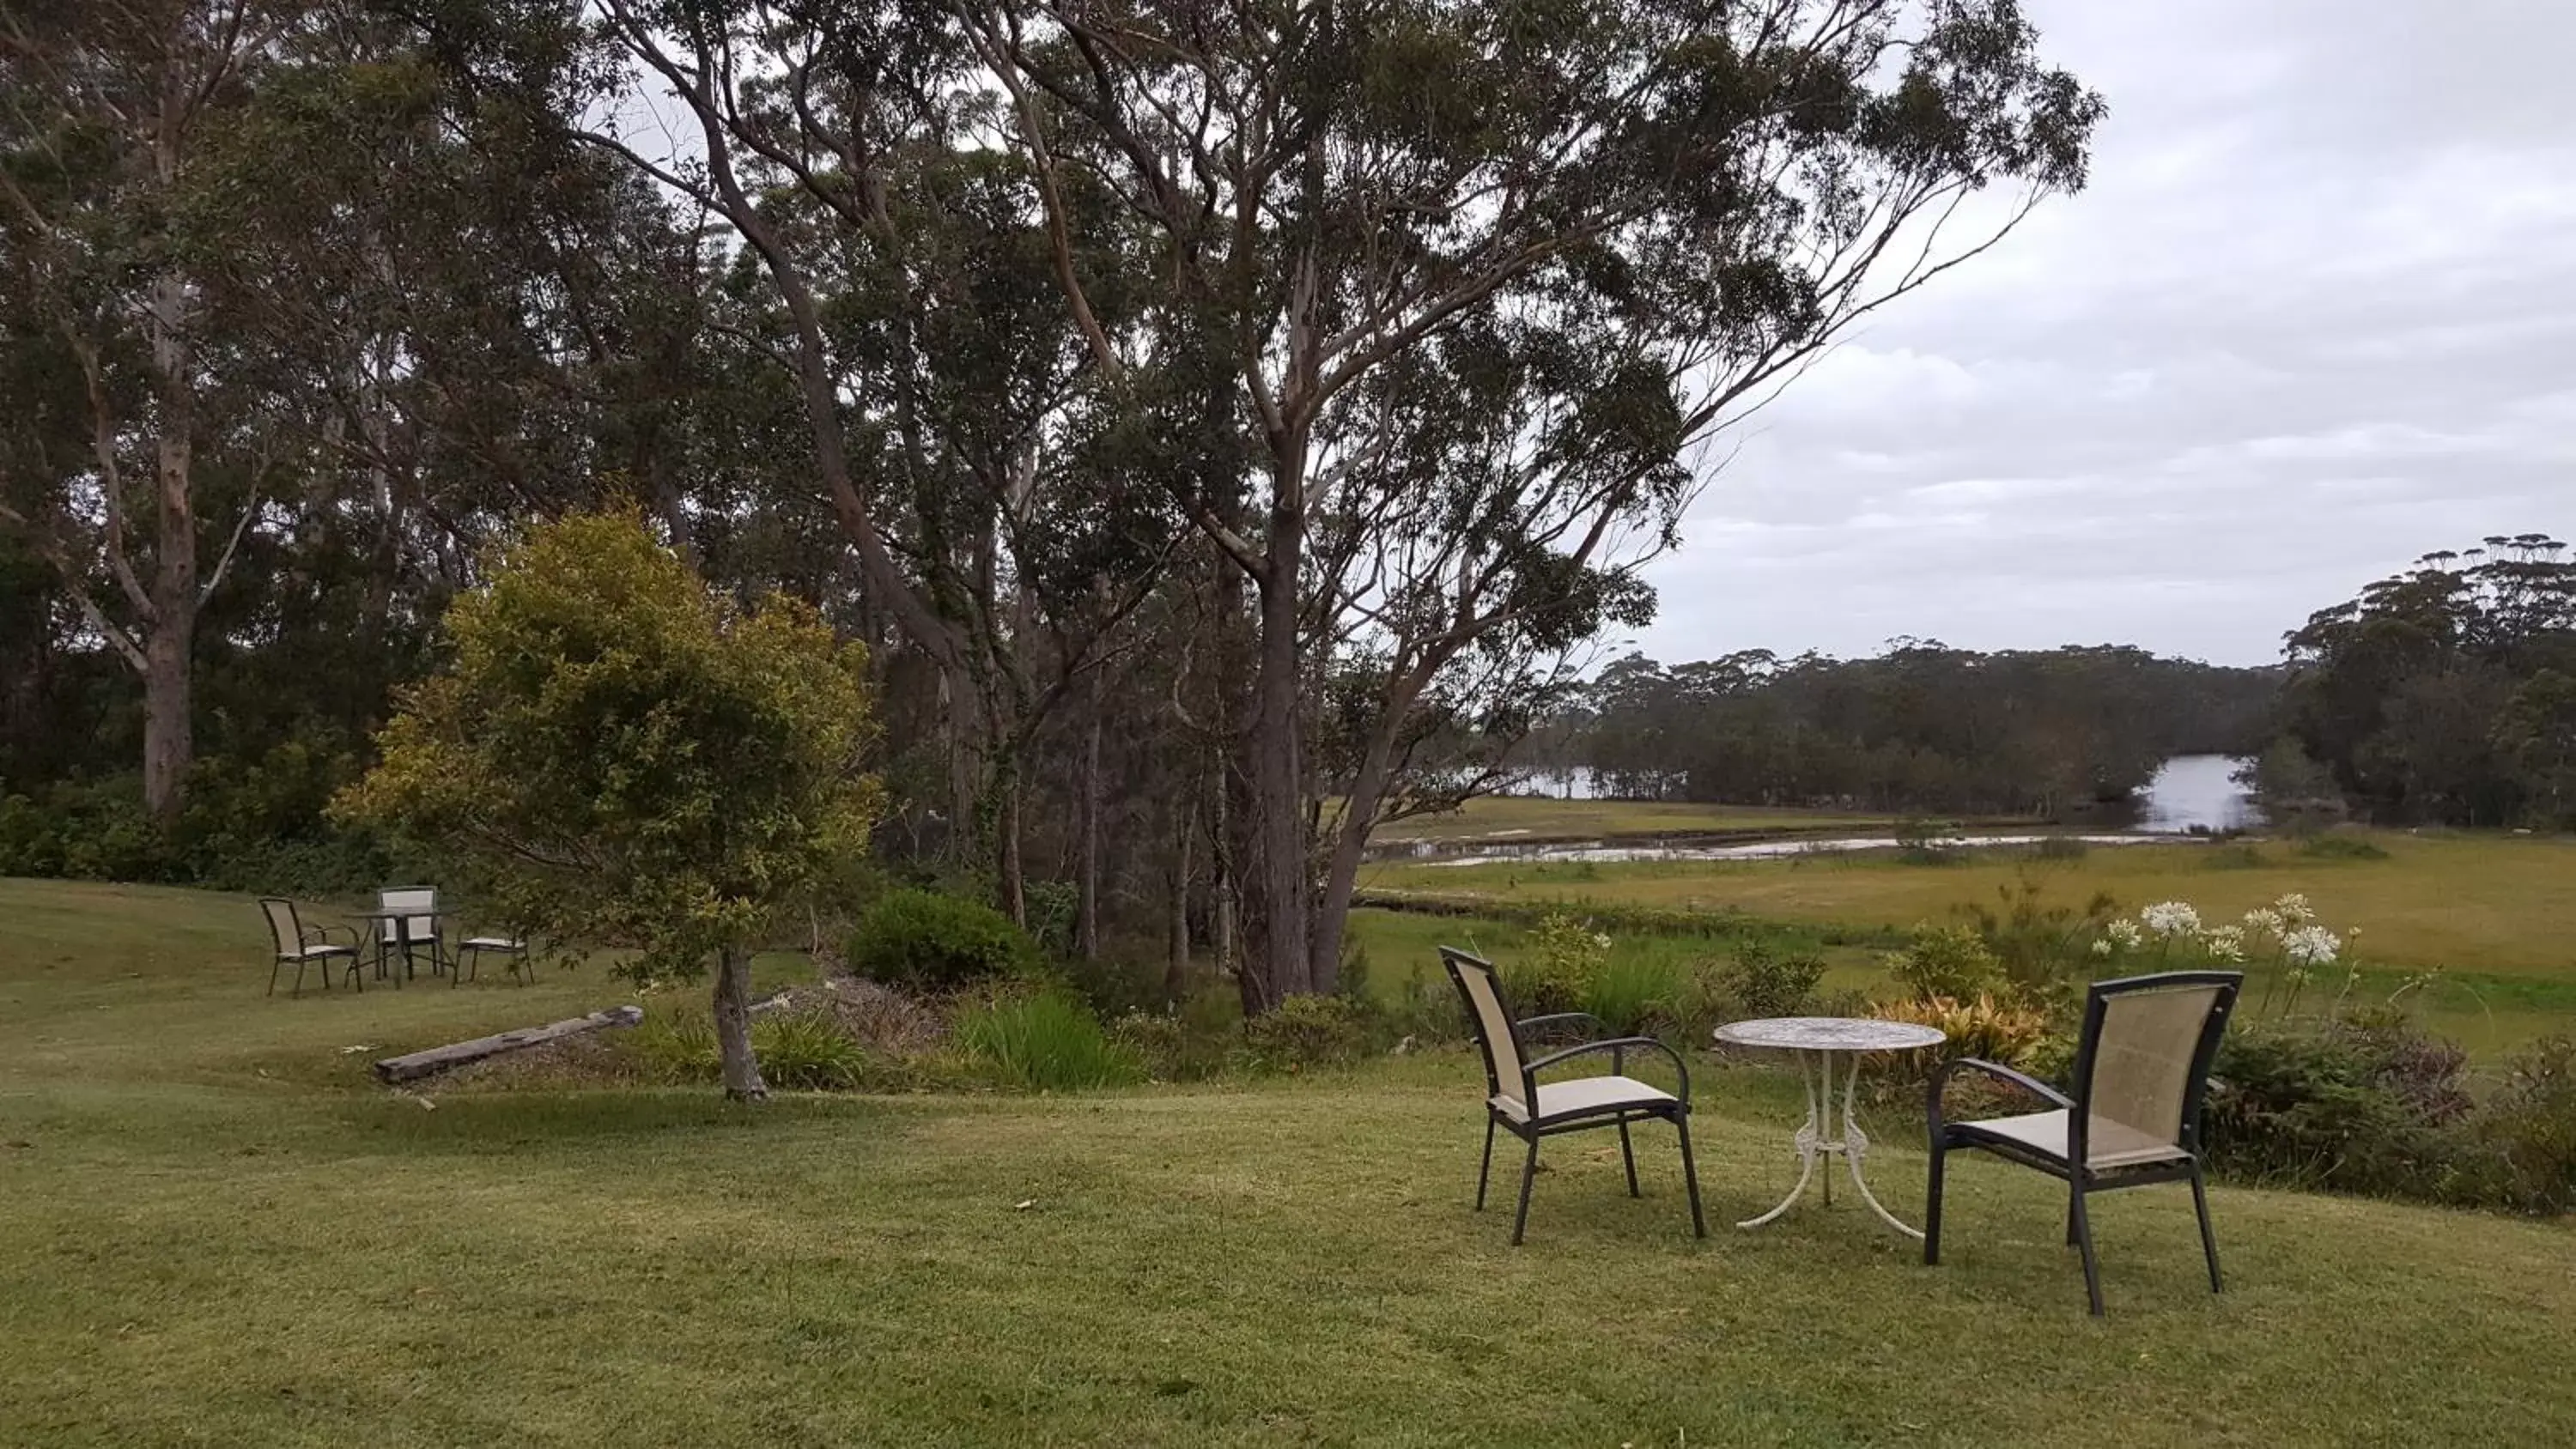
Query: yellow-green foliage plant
(617, 752)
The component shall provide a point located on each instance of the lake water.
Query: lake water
(2196, 792)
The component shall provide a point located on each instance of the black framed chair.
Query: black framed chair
(2141, 1071)
(1518, 1103)
(471, 951)
(306, 946)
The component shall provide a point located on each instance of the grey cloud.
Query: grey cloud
(2315, 316)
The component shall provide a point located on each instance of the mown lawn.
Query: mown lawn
(213, 1230)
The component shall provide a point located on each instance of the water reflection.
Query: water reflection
(2196, 793)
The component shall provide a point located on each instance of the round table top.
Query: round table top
(1830, 1034)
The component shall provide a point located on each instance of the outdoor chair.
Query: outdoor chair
(407, 934)
(2141, 1068)
(1518, 1103)
(305, 946)
(471, 950)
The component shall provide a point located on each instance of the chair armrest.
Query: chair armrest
(324, 932)
(1949, 1069)
(1617, 1047)
(1524, 1028)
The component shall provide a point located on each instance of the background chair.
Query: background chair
(470, 952)
(305, 946)
(2141, 1069)
(407, 934)
(1516, 1102)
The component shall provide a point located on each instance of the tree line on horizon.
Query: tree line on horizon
(2443, 694)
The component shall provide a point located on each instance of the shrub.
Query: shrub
(1637, 993)
(1306, 1031)
(928, 941)
(1980, 1026)
(2366, 1108)
(1951, 961)
(2527, 1133)
(2041, 948)
(1047, 1042)
(1763, 982)
(1565, 955)
(805, 1049)
(2331, 846)
(678, 1046)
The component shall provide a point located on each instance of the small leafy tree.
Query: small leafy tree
(620, 753)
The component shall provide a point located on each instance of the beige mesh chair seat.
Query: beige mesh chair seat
(2141, 1068)
(471, 951)
(305, 946)
(1518, 1103)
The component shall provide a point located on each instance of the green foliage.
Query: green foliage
(2061, 848)
(1047, 1042)
(1637, 993)
(2235, 855)
(1951, 961)
(926, 941)
(2041, 948)
(1306, 1031)
(1981, 1026)
(678, 1046)
(2369, 1108)
(2526, 1133)
(806, 1049)
(1565, 954)
(2341, 847)
(1762, 981)
(617, 752)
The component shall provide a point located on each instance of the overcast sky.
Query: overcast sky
(2314, 316)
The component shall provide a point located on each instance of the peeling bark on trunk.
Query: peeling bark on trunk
(1176, 968)
(742, 1081)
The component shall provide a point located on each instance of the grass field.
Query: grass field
(2497, 914)
(215, 1230)
(1510, 815)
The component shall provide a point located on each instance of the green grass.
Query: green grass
(1508, 815)
(2496, 913)
(214, 1230)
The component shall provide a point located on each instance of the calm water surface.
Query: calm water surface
(2195, 792)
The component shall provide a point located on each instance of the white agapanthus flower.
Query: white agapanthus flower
(2310, 945)
(2101, 948)
(2263, 921)
(2171, 918)
(2294, 908)
(2226, 943)
(2124, 933)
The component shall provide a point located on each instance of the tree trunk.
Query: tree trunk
(1086, 924)
(1276, 964)
(1176, 968)
(169, 741)
(1013, 882)
(742, 1081)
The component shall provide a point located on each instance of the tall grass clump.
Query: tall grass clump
(1046, 1042)
(807, 1050)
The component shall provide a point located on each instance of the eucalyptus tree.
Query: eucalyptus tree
(106, 110)
(904, 290)
(1472, 285)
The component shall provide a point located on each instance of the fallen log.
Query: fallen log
(413, 1066)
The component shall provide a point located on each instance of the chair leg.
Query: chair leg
(272, 974)
(1529, 1174)
(2083, 1230)
(1690, 1177)
(1485, 1169)
(1932, 1207)
(2208, 1239)
(1628, 1154)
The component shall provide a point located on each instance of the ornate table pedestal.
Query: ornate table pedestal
(1816, 1040)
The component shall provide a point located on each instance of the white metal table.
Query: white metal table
(1816, 1039)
